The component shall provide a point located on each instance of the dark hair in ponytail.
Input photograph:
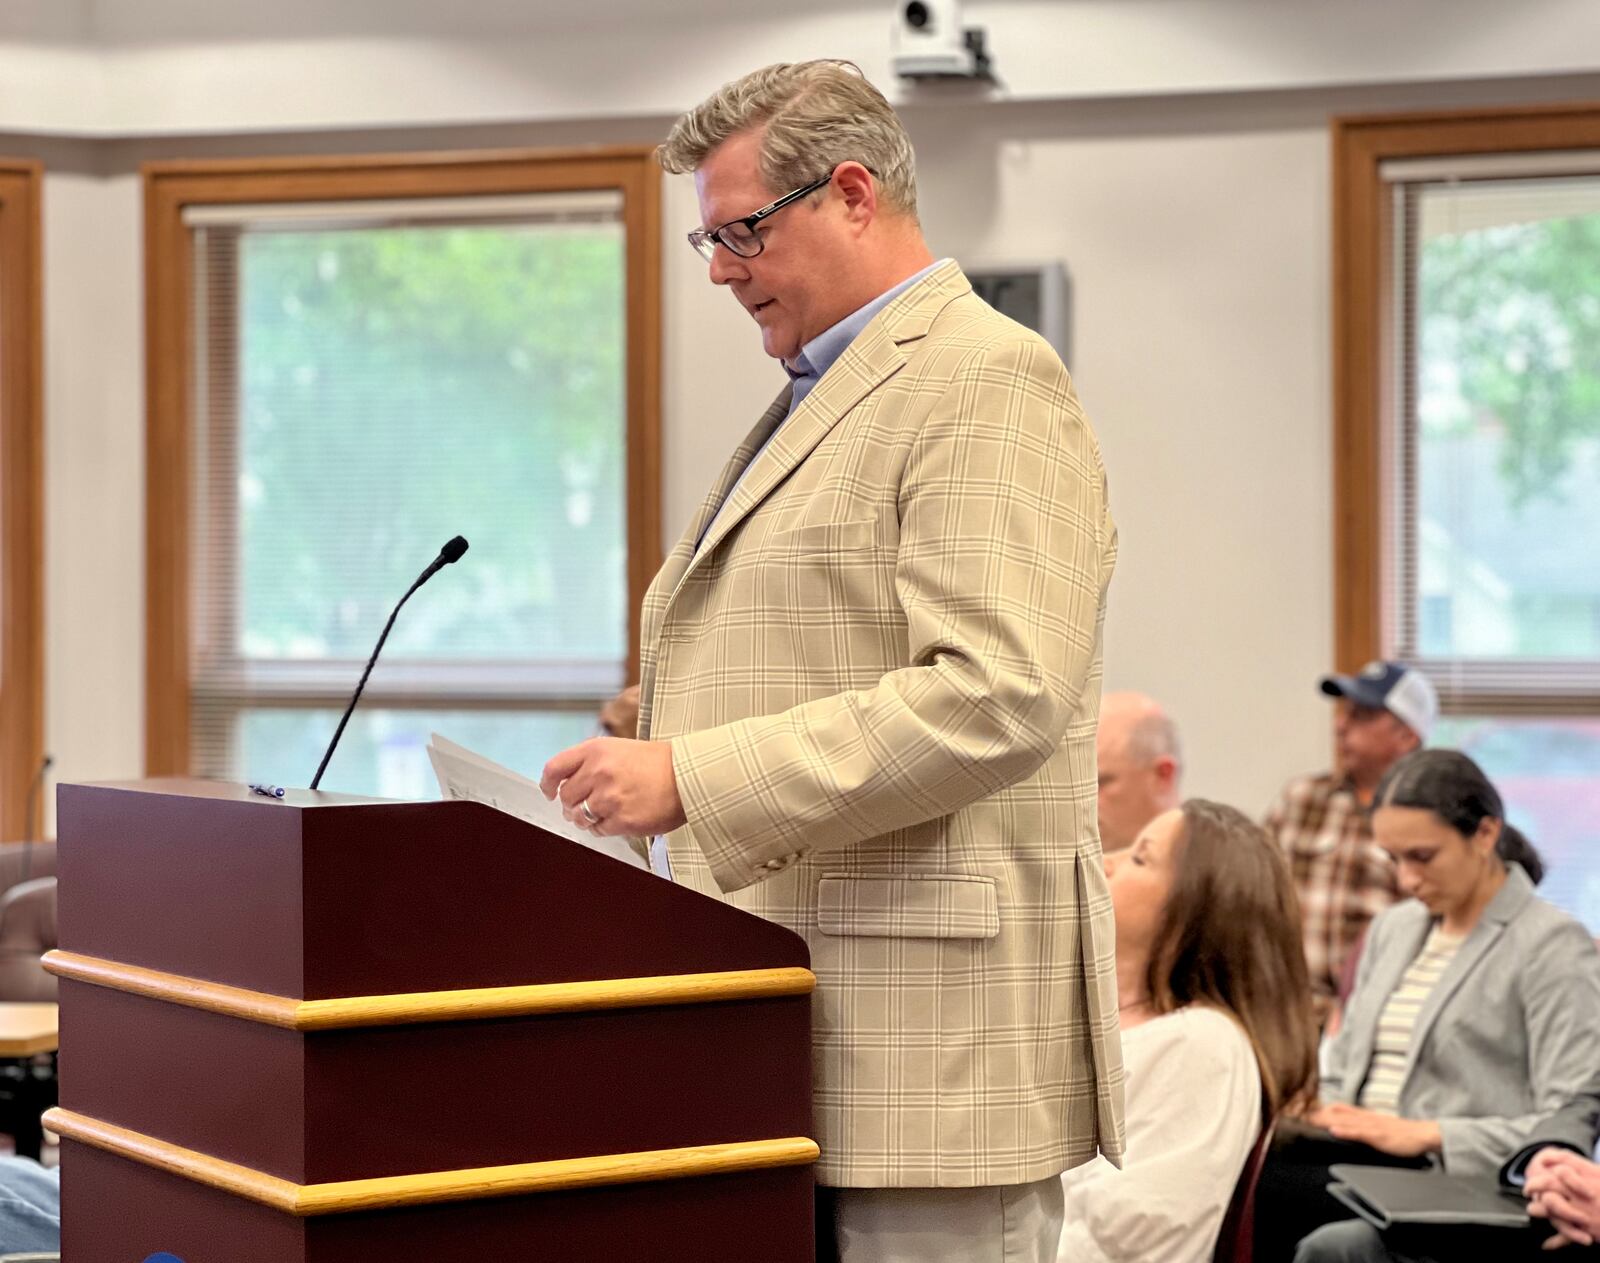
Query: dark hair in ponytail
(1514, 848)
(1454, 788)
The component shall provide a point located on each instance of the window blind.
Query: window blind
(1491, 457)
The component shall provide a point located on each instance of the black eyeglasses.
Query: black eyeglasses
(740, 235)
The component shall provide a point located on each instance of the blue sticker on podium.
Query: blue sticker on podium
(163, 1257)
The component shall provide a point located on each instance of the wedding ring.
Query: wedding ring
(584, 807)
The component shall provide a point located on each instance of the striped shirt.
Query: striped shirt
(1391, 1047)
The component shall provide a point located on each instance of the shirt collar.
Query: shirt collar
(817, 356)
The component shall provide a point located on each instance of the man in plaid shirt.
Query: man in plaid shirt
(1343, 876)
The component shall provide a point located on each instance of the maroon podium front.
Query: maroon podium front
(324, 1029)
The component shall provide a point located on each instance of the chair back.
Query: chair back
(22, 861)
(1236, 1239)
(27, 931)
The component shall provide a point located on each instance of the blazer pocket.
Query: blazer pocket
(826, 537)
(932, 906)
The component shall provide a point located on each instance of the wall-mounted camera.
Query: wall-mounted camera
(931, 43)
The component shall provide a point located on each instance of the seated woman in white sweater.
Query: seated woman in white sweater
(1217, 1033)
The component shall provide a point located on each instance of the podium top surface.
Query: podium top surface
(317, 896)
(232, 791)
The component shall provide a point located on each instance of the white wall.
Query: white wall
(1195, 231)
(1200, 301)
(94, 478)
(144, 67)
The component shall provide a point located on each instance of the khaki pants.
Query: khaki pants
(1012, 1223)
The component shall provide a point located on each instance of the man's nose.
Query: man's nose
(726, 266)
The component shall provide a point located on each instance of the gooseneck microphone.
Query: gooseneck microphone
(451, 552)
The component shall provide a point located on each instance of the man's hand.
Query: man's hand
(1403, 1137)
(628, 787)
(1565, 1189)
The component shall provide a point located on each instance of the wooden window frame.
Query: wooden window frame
(170, 187)
(21, 493)
(1364, 336)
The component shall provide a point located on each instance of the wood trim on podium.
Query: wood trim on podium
(434, 1186)
(476, 1004)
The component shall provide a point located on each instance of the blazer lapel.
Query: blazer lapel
(678, 560)
(868, 362)
(1508, 901)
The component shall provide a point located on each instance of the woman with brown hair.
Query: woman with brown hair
(1217, 1033)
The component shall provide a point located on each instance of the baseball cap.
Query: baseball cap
(1401, 690)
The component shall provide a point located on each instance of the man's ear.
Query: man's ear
(859, 191)
(1166, 769)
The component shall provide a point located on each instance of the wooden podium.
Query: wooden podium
(326, 1029)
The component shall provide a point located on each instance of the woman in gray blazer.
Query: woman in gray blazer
(1476, 1008)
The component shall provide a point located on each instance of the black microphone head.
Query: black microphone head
(453, 551)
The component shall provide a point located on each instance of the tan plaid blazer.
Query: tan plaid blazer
(880, 674)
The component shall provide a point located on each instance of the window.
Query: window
(21, 511)
(1468, 431)
(356, 365)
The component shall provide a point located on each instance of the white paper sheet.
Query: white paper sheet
(464, 773)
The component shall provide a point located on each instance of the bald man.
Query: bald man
(1140, 767)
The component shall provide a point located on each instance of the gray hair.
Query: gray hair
(1154, 736)
(815, 115)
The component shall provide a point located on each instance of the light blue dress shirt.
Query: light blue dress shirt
(819, 355)
(815, 359)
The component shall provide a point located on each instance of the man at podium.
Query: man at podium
(870, 681)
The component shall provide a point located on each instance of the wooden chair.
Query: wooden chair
(1236, 1240)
